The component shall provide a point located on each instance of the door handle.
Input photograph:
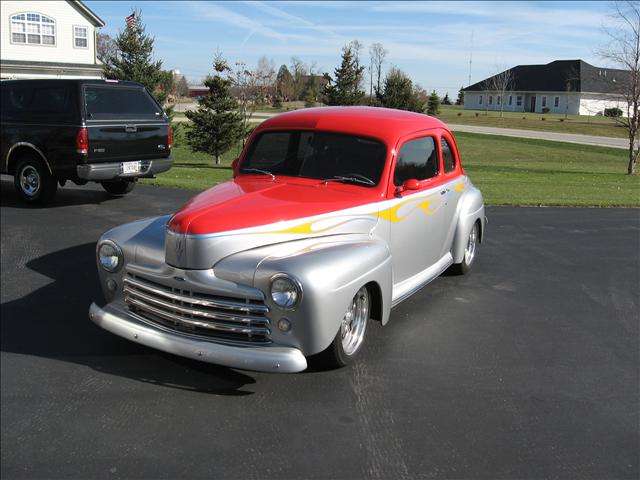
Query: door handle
(130, 128)
(443, 192)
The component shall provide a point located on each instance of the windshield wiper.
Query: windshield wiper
(352, 177)
(258, 170)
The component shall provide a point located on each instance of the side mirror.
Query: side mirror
(411, 184)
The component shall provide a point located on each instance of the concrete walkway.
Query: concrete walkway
(541, 135)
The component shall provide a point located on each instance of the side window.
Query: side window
(38, 103)
(418, 159)
(448, 159)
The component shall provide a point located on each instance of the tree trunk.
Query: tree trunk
(217, 159)
(631, 168)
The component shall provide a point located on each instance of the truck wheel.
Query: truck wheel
(469, 252)
(32, 180)
(118, 187)
(350, 337)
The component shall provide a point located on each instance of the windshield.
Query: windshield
(312, 154)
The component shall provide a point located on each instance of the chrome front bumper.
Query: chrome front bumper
(112, 171)
(115, 318)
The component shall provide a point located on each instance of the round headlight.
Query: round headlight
(285, 291)
(110, 256)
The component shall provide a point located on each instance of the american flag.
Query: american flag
(131, 21)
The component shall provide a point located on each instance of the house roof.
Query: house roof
(560, 76)
(87, 12)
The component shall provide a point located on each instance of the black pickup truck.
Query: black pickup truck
(106, 131)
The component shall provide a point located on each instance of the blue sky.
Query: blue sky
(430, 41)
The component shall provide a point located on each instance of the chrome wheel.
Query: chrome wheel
(29, 180)
(354, 322)
(470, 251)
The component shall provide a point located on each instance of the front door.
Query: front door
(533, 104)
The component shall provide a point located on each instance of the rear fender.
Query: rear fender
(470, 211)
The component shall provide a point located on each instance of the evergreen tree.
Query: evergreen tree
(399, 92)
(311, 91)
(133, 60)
(284, 83)
(446, 100)
(345, 90)
(216, 125)
(433, 105)
(182, 87)
(460, 99)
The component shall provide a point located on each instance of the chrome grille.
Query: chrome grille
(219, 317)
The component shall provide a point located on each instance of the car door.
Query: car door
(418, 221)
(452, 186)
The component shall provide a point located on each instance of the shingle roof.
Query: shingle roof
(560, 76)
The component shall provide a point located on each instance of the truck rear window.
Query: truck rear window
(106, 103)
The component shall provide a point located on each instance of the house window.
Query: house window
(519, 100)
(33, 29)
(544, 101)
(80, 37)
(510, 99)
(490, 99)
(498, 99)
(480, 100)
(556, 101)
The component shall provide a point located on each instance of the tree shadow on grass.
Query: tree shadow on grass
(52, 321)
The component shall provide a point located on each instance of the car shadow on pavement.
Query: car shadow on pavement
(64, 197)
(52, 321)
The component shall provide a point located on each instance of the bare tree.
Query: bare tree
(265, 79)
(571, 84)
(624, 50)
(501, 83)
(298, 71)
(377, 54)
(105, 47)
(244, 87)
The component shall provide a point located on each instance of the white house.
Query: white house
(562, 86)
(48, 39)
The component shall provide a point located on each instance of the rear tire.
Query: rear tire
(33, 181)
(351, 334)
(118, 187)
(470, 252)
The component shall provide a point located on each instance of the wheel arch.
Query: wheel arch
(20, 148)
(471, 211)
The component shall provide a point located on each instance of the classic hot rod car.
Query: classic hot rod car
(333, 216)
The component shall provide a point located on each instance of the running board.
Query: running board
(411, 285)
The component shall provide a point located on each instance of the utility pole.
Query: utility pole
(470, 58)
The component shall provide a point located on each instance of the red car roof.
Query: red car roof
(386, 124)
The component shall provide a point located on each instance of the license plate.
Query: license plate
(131, 167)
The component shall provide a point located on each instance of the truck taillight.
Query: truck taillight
(82, 141)
(169, 137)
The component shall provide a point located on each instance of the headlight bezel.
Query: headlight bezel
(118, 253)
(294, 282)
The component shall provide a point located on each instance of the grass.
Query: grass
(553, 122)
(509, 171)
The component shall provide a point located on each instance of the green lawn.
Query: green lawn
(509, 171)
(553, 122)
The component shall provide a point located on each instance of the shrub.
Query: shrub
(614, 112)
(477, 114)
(545, 110)
(459, 114)
(543, 119)
(562, 119)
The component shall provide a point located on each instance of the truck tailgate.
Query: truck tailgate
(123, 141)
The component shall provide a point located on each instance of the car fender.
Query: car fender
(470, 210)
(330, 272)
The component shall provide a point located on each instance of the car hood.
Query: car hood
(256, 211)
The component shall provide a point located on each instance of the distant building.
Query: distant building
(44, 39)
(197, 91)
(562, 86)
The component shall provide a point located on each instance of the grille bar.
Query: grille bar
(200, 314)
(138, 283)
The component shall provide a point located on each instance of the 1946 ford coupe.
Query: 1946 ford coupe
(333, 216)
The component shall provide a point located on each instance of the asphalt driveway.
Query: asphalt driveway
(526, 368)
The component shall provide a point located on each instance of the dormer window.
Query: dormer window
(33, 29)
(80, 39)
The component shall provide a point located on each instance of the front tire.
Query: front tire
(470, 252)
(33, 181)
(351, 334)
(118, 187)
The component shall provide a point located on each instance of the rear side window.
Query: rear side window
(448, 159)
(107, 103)
(418, 159)
(38, 103)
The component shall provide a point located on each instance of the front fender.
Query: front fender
(330, 271)
(470, 210)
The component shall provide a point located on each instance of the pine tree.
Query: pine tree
(348, 77)
(284, 83)
(460, 99)
(446, 100)
(133, 60)
(433, 105)
(399, 92)
(216, 125)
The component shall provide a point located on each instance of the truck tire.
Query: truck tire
(33, 181)
(118, 187)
